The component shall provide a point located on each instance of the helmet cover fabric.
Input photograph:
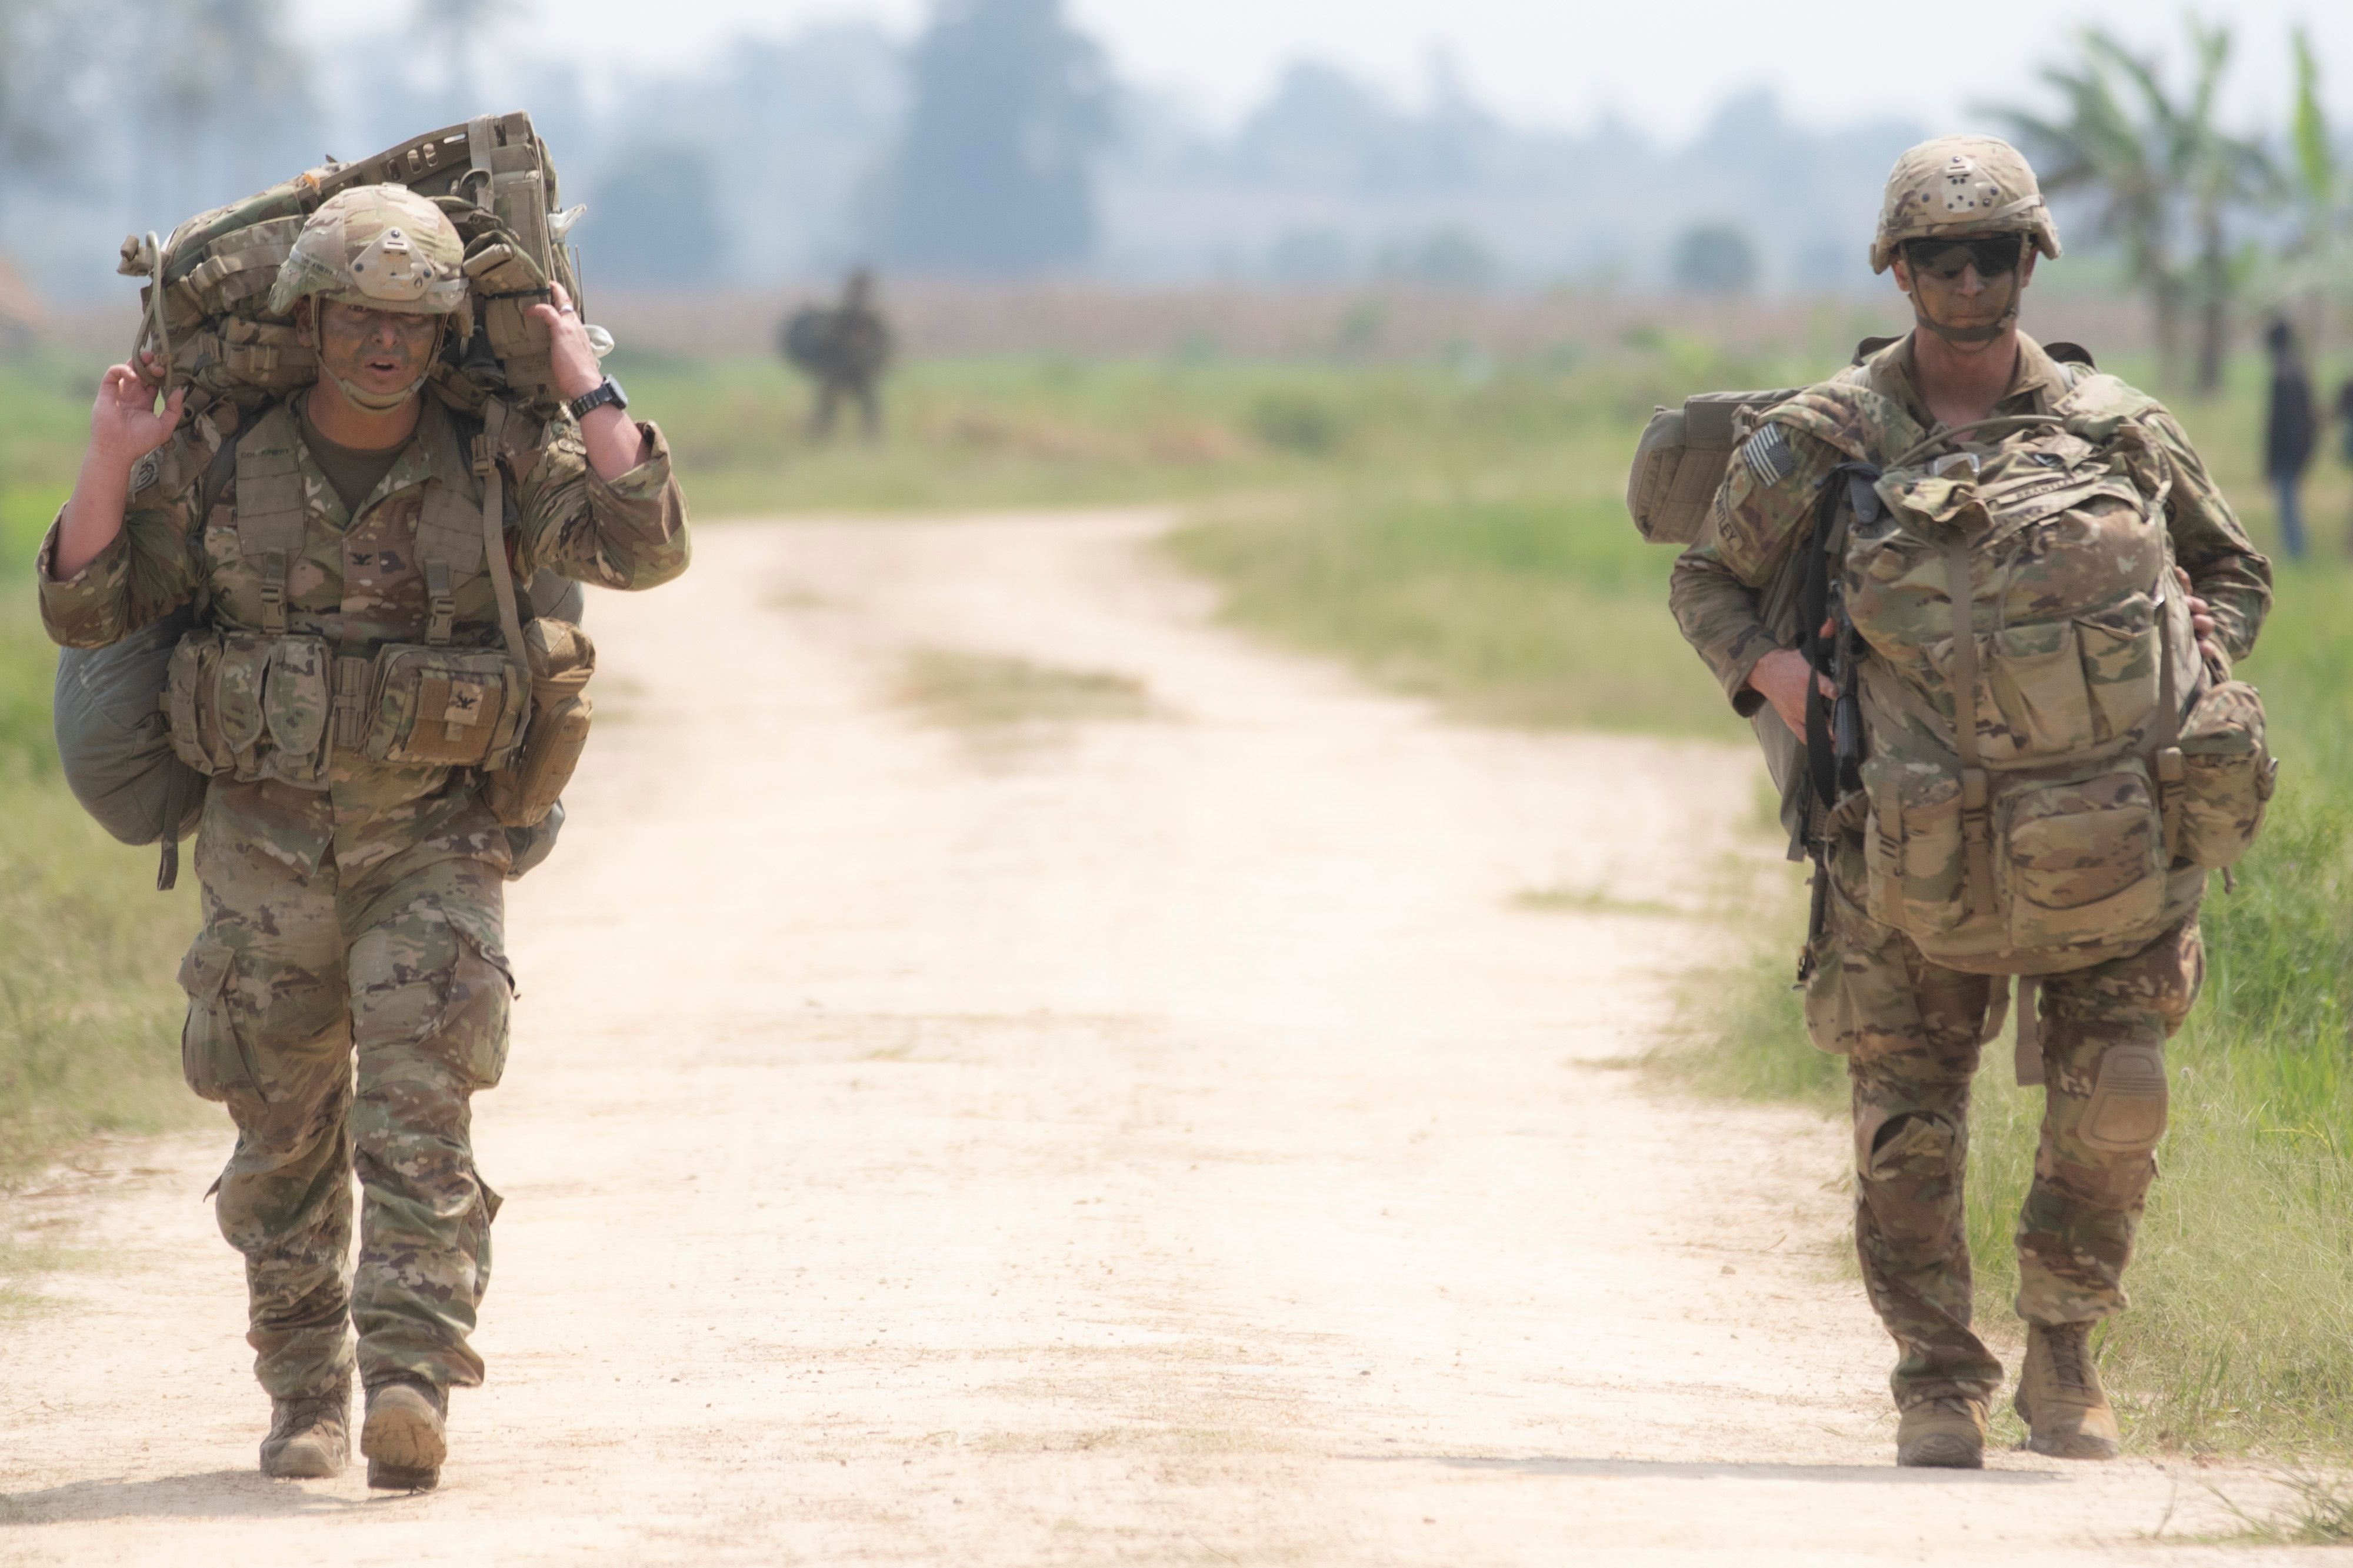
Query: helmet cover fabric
(1958, 187)
(381, 247)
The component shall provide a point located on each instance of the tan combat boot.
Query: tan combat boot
(405, 1437)
(309, 1439)
(1943, 1433)
(2060, 1398)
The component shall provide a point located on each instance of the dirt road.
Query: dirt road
(1169, 1138)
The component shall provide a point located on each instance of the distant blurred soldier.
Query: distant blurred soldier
(2345, 435)
(1995, 596)
(2290, 430)
(845, 351)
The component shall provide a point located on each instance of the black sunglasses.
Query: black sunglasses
(1943, 259)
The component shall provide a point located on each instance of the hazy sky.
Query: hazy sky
(1661, 65)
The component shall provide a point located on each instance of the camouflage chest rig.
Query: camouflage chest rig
(141, 771)
(257, 695)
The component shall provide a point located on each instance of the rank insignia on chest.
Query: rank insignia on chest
(1769, 457)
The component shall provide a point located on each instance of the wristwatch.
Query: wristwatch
(606, 391)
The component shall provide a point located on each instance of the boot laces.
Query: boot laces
(2070, 1346)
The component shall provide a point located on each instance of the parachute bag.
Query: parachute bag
(114, 739)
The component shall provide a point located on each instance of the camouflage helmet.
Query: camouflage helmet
(1956, 186)
(382, 248)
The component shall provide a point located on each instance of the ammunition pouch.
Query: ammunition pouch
(253, 705)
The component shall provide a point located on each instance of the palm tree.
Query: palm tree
(2317, 268)
(2156, 166)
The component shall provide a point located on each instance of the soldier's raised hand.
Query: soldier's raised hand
(123, 424)
(570, 355)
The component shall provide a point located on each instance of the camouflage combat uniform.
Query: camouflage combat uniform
(1912, 1029)
(359, 913)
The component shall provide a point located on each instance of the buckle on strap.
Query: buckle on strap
(273, 591)
(353, 709)
(442, 602)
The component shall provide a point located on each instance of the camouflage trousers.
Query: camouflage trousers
(1911, 1031)
(299, 979)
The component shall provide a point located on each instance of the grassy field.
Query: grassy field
(1454, 529)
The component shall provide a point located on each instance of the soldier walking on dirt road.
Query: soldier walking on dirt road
(350, 695)
(2018, 596)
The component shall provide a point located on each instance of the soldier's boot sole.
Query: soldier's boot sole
(404, 1439)
(1941, 1438)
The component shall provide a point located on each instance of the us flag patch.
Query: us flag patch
(1769, 457)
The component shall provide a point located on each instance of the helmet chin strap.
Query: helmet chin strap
(1984, 334)
(377, 401)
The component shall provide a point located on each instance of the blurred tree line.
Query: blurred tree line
(998, 140)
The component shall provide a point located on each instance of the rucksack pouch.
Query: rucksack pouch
(2063, 686)
(2076, 856)
(2228, 776)
(1913, 858)
(1680, 462)
(250, 705)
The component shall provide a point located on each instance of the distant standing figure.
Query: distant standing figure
(2290, 432)
(2345, 436)
(845, 351)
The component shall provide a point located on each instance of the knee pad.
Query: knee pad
(2125, 1114)
(1913, 1143)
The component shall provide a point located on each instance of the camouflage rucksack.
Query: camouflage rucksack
(206, 300)
(207, 317)
(2047, 768)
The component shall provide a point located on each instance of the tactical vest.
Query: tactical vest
(2048, 767)
(252, 696)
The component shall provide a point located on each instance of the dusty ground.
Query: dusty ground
(1163, 1139)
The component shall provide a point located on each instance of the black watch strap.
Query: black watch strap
(606, 391)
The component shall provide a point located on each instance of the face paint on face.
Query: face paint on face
(378, 358)
(1965, 290)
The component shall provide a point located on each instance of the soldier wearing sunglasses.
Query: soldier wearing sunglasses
(1962, 227)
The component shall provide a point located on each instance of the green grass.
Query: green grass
(88, 1008)
(990, 691)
